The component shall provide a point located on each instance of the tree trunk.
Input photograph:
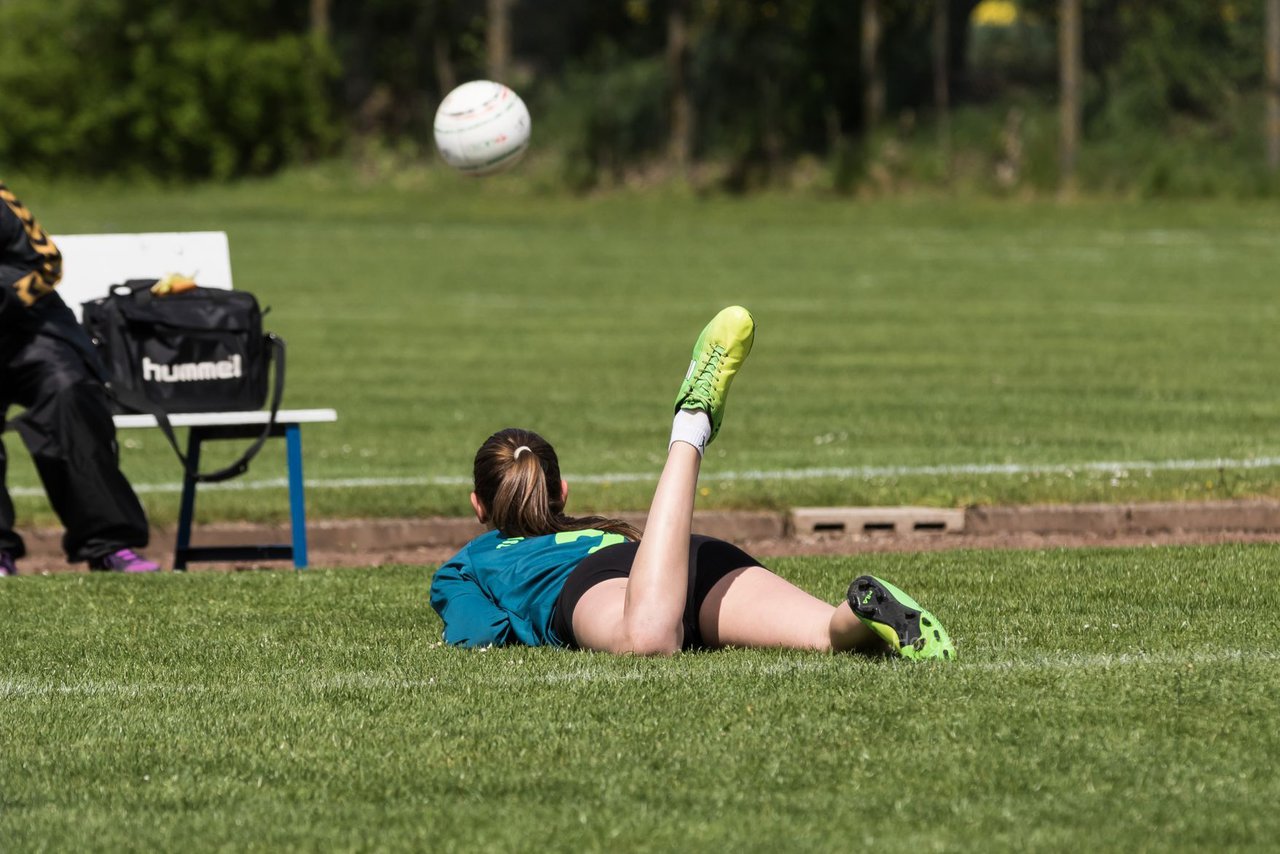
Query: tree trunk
(872, 79)
(959, 26)
(942, 72)
(498, 39)
(1070, 64)
(320, 21)
(441, 54)
(680, 144)
(1273, 85)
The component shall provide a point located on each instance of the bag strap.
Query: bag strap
(139, 403)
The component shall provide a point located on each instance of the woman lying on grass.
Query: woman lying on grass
(540, 577)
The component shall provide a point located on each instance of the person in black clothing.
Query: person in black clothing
(49, 366)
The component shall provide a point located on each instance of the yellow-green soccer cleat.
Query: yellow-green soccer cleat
(719, 352)
(908, 629)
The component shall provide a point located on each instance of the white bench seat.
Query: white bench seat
(220, 419)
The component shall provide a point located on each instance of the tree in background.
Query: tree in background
(773, 81)
(399, 58)
(497, 40)
(1157, 61)
(320, 22)
(940, 49)
(680, 113)
(1273, 85)
(442, 30)
(738, 91)
(176, 89)
(1070, 64)
(872, 73)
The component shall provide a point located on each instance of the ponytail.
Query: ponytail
(517, 480)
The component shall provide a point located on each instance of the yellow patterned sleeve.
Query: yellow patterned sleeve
(35, 248)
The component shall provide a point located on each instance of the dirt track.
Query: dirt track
(377, 542)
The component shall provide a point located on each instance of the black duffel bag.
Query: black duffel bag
(199, 350)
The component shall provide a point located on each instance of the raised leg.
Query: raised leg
(643, 614)
(656, 591)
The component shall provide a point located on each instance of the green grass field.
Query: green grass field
(929, 351)
(904, 348)
(1118, 700)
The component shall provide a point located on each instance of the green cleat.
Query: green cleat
(719, 352)
(908, 629)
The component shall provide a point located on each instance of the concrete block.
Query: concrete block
(871, 520)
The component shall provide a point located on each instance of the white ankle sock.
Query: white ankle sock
(692, 426)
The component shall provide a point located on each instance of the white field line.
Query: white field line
(1118, 468)
(12, 688)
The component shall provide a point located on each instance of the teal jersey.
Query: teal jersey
(497, 592)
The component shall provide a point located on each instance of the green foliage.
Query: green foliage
(1008, 147)
(1168, 60)
(1153, 61)
(769, 83)
(752, 84)
(610, 120)
(186, 89)
(392, 55)
(177, 91)
(1101, 696)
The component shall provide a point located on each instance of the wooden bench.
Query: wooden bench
(92, 263)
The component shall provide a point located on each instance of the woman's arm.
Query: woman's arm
(471, 619)
(30, 264)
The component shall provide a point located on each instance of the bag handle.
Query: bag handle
(139, 403)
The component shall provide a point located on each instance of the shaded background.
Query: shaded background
(1176, 97)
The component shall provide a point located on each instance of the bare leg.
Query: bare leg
(650, 619)
(749, 607)
(656, 592)
(753, 607)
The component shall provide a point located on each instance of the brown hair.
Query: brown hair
(517, 479)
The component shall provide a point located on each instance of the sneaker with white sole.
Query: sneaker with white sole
(7, 566)
(898, 620)
(717, 355)
(123, 560)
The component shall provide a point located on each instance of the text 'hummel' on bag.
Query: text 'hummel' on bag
(186, 349)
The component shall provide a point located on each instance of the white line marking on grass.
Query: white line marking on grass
(750, 475)
(867, 472)
(1065, 662)
(1108, 660)
(17, 687)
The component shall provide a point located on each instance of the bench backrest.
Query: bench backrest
(92, 263)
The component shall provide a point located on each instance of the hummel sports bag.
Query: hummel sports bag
(198, 350)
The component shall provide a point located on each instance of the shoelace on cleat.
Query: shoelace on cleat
(704, 379)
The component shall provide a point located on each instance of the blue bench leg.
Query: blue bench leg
(187, 509)
(297, 503)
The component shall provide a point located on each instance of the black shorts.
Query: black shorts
(709, 561)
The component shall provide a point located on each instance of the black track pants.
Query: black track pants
(50, 368)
